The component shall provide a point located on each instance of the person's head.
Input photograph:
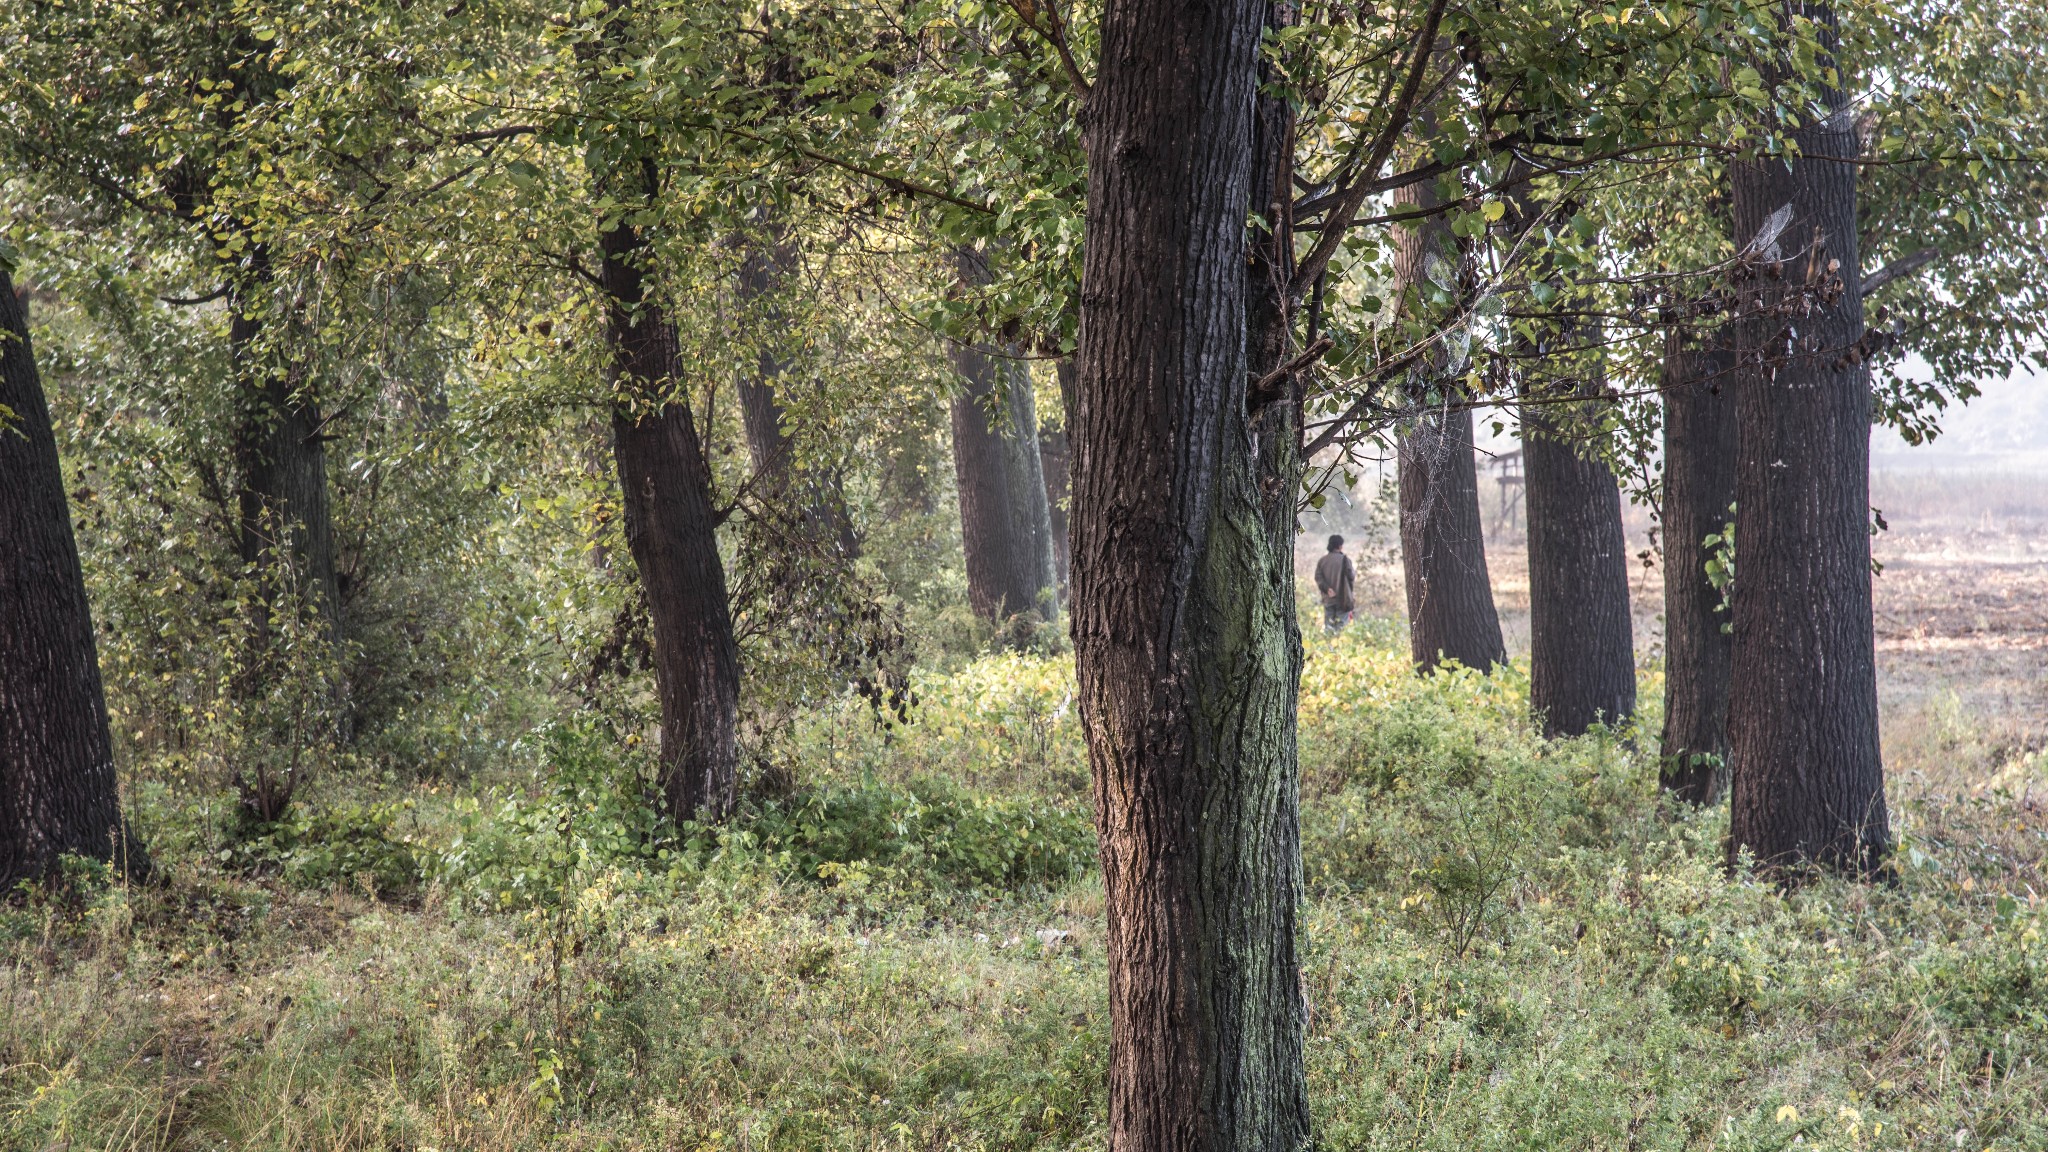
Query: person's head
(1336, 542)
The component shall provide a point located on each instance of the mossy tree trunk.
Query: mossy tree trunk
(1180, 628)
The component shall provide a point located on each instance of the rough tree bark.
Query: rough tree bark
(1699, 485)
(1451, 614)
(671, 530)
(1005, 524)
(1180, 632)
(1808, 780)
(57, 786)
(1582, 658)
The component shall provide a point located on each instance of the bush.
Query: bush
(599, 811)
(929, 832)
(315, 849)
(594, 809)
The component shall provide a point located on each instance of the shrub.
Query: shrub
(314, 849)
(929, 832)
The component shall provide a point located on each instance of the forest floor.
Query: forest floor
(1508, 943)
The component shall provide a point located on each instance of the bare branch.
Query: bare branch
(1899, 269)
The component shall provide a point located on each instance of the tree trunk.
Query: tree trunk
(57, 788)
(1053, 461)
(281, 462)
(1180, 631)
(1005, 524)
(1808, 781)
(1582, 657)
(813, 496)
(671, 530)
(1056, 459)
(1451, 615)
(1699, 485)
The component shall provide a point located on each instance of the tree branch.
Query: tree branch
(1055, 34)
(1899, 269)
(1318, 258)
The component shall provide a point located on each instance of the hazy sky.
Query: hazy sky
(2005, 429)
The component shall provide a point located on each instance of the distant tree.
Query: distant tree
(810, 498)
(1699, 487)
(57, 786)
(1055, 457)
(1451, 613)
(1005, 518)
(1808, 779)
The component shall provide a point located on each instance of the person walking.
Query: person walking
(1336, 581)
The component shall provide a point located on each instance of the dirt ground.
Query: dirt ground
(1961, 601)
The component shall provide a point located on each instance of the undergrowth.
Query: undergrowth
(1508, 944)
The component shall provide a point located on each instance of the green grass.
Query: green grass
(1510, 945)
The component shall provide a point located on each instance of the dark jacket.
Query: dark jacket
(1334, 579)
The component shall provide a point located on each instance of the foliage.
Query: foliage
(1620, 984)
(596, 813)
(350, 844)
(928, 831)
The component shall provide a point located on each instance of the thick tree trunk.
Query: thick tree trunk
(1582, 657)
(1005, 523)
(671, 529)
(1699, 485)
(813, 496)
(1451, 614)
(285, 520)
(57, 786)
(1180, 630)
(1808, 781)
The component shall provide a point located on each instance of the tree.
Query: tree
(1005, 519)
(1699, 487)
(57, 786)
(1451, 614)
(671, 525)
(1582, 665)
(807, 496)
(1180, 635)
(1808, 780)
(1055, 460)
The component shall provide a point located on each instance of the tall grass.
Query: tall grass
(1509, 944)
